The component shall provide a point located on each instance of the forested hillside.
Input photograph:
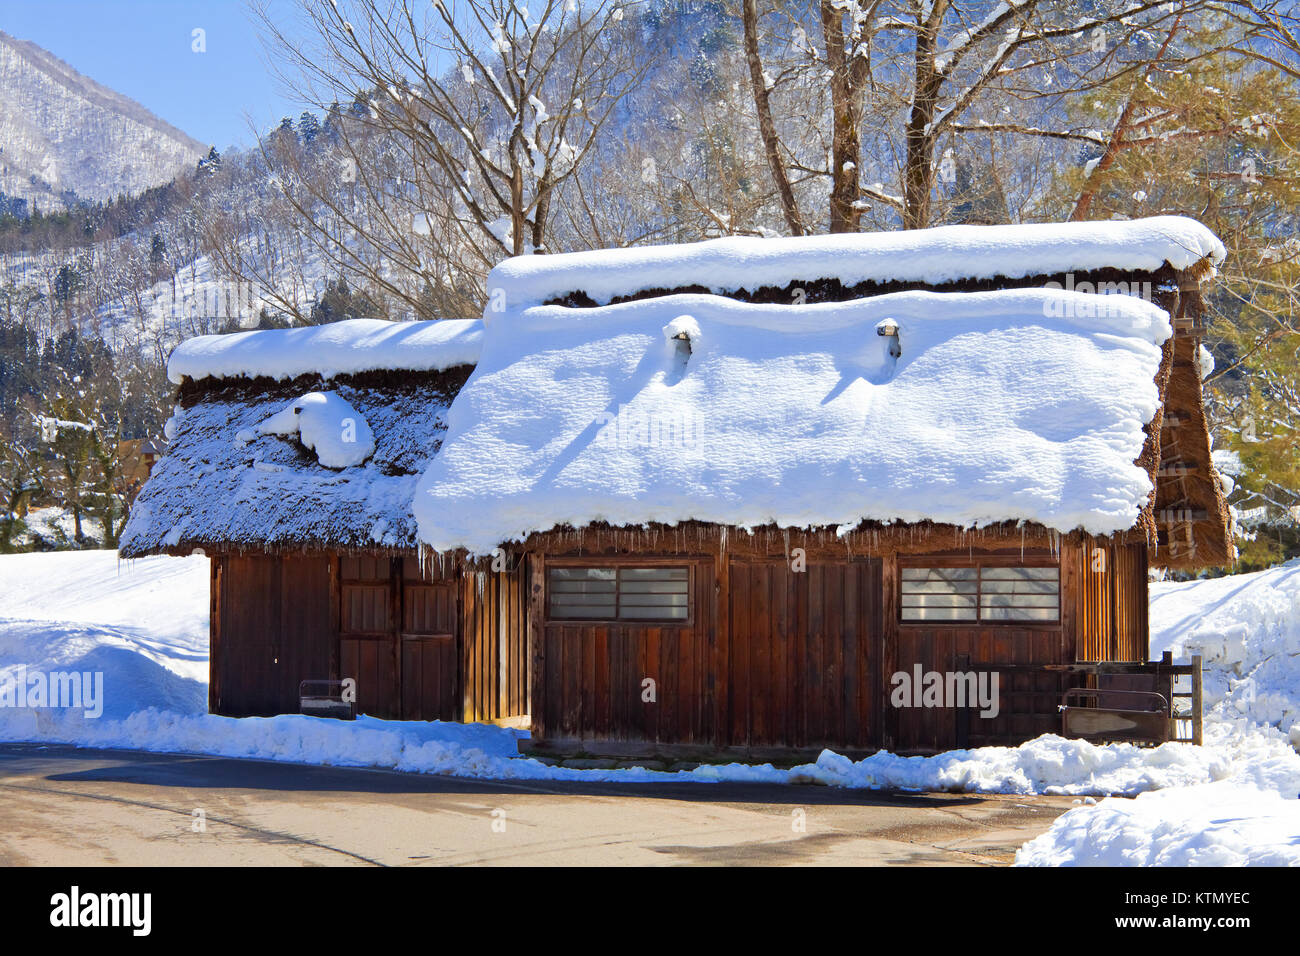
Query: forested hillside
(433, 145)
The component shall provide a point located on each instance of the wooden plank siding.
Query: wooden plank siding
(589, 677)
(272, 629)
(769, 658)
(494, 622)
(281, 619)
(1112, 609)
(430, 659)
(804, 667)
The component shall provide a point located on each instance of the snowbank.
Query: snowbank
(339, 348)
(1049, 764)
(801, 415)
(1246, 627)
(1212, 825)
(932, 256)
(143, 624)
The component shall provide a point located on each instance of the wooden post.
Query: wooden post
(1196, 700)
(536, 644)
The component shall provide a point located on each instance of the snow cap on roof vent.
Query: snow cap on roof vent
(890, 327)
(683, 327)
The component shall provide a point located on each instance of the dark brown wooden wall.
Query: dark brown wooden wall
(398, 638)
(775, 658)
(272, 628)
(367, 642)
(803, 657)
(588, 678)
(280, 619)
(1028, 701)
(430, 649)
(770, 658)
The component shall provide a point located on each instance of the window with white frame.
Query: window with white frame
(980, 593)
(616, 592)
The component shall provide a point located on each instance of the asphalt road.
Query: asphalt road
(63, 806)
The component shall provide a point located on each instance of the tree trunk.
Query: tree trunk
(919, 135)
(516, 208)
(846, 147)
(767, 128)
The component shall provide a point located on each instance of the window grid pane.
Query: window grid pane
(614, 593)
(964, 594)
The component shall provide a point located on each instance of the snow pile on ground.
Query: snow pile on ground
(339, 348)
(800, 415)
(326, 424)
(932, 256)
(1247, 629)
(1049, 764)
(1214, 825)
(143, 624)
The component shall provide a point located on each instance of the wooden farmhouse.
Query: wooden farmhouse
(739, 497)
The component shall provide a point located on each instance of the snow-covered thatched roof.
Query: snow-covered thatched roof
(339, 348)
(930, 257)
(311, 437)
(1023, 404)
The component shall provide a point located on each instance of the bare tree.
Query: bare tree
(462, 122)
(930, 71)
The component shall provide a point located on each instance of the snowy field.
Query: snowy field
(143, 625)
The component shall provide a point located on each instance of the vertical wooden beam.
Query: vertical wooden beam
(719, 659)
(216, 564)
(888, 647)
(536, 644)
(1197, 700)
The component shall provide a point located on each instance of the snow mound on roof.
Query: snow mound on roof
(1020, 404)
(932, 256)
(339, 348)
(326, 424)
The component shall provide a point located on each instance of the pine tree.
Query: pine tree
(1218, 142)
(211, 163)
(308, 127)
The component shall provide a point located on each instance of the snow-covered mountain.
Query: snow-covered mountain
(61, 131)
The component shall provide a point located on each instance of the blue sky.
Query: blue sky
(143, 49)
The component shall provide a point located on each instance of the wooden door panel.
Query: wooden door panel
(372, 663)
(804, 652)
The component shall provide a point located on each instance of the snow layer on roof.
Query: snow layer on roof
(931, 256)
(339, 348)
(223, 483)
(1018, 404)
